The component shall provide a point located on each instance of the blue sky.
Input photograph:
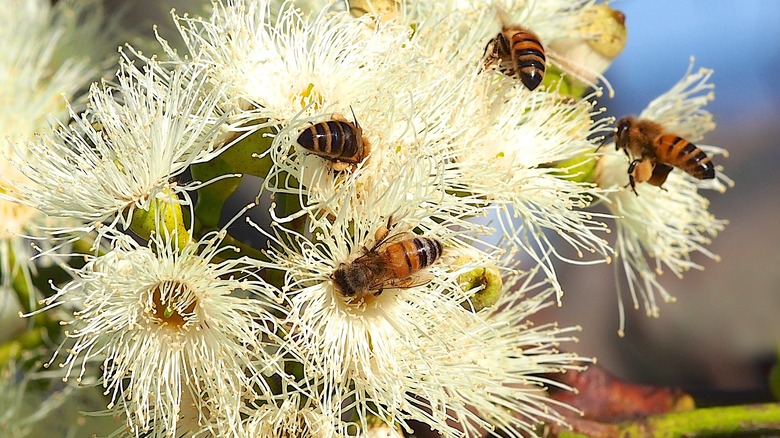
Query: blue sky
(741, 43)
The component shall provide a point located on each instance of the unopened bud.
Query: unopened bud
(490, 283)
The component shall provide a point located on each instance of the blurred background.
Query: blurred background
(723, 331)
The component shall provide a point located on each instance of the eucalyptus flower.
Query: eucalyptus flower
(294, 62)
(37, 68)
(400, 355)
(511, 165)
(195, 330)
(125, 152)
(289, 73)
(167, 325)
(659, 229)
(292, 416)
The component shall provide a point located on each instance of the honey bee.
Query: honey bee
(518, 50)
(391, 262)
(656, 152)
(335, 140)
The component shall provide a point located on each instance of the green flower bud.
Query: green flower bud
(490, 282)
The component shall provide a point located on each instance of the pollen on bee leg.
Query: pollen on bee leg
(340, 166)
(643, 171)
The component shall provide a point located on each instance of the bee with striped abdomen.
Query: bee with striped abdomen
(518, 51)
(336, 140)
(393, 261)
(655, 152)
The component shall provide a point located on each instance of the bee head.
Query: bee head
(490, 48)
(350, 280)
(495, 47)
(622, 129)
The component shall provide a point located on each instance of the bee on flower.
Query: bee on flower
(362, 346)
(658, 229)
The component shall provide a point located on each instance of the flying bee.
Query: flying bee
(393, 261)
(518, 51)
(336, 140)
(656, 152)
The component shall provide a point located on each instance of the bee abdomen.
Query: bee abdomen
(334, 140)
(681, 153)
(411, 255)
(529, 58)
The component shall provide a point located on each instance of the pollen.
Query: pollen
(309, 96)
(173, 303)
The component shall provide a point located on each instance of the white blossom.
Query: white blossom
(205, 333)
(125, 152)
(168, 327)
(290, 417)
(659, 229)
(37, 68)
(502, 356)
(512, 164)
(370, 356)
(291, 72)
(282, 66)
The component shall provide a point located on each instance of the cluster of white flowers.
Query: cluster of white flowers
(37, 68)
(199, 332)
(49, 55)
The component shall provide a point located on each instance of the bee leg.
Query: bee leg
(378, 292)
(631, 180)
(631, 183)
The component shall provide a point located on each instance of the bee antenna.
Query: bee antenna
(354, 118)
(606, 139)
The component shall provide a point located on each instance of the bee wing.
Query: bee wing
(670, 120)
(417, 279)
(391, 238)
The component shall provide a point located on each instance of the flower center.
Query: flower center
(310, 96)
(174, 303)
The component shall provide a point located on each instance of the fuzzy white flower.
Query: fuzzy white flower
(500, 142)
(282, 66)
(37, 68)
(658, 229)
(551, 21)
(503, 357)
(165, 324)
(369, 356)
(511, 164)
(291, 72)
(125, 151)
